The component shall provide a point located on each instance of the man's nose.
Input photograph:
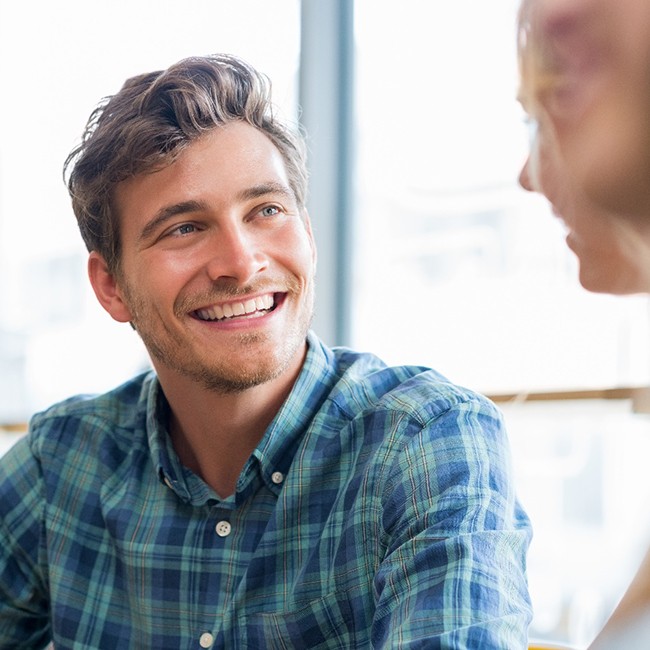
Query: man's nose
(237, 254)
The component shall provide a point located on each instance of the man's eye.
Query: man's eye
(184, 229)
(269, 211)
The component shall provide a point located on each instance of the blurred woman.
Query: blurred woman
(585, 85)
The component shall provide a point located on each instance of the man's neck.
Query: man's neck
(215, 433)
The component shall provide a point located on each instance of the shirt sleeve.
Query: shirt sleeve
(454, 573)
(24, 620)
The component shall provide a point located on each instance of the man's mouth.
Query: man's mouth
(251, 308)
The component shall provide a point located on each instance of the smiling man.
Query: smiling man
(256, 489)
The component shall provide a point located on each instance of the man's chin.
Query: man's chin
(231, 383)
(243, 372)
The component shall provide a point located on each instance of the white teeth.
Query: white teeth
(219, 312)
(264, 302)
(206, 314)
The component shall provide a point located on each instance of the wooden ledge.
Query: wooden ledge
(638, 395)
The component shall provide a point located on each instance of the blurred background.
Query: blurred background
(428, 250)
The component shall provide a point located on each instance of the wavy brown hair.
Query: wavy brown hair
(155, 116)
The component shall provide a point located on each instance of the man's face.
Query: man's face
(218, 263)
(598, 55)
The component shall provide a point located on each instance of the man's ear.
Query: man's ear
(107, 289)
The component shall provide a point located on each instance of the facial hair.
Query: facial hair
(166, 346)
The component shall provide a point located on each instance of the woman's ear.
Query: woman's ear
(107, 289)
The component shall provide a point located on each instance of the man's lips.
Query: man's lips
(244, 308)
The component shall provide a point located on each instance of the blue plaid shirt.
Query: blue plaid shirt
(377, 511)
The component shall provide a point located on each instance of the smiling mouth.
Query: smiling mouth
(252, 308)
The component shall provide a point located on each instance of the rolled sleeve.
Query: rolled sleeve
(454, 574)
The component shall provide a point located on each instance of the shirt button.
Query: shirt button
(168, 483)
(223, 529)
(277, 477)
(206, 640)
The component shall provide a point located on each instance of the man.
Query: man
(258, 489)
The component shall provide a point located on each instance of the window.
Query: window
(456, 266)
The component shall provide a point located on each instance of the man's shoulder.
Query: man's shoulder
(365, 382)
(389, 409)
(122, 409)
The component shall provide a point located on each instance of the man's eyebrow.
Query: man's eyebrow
(263, 189)
(166, 213)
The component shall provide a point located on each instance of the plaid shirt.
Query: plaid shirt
(377, 511)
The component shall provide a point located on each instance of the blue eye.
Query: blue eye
(270, 211)
(184, 229)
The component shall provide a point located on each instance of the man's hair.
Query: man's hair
(151, 120)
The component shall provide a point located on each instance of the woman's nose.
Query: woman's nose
(524, 177)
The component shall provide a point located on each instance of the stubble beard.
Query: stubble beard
(219, 376)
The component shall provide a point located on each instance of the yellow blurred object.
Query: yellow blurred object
(548, 645)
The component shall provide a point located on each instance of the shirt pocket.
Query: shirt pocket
(323, 624)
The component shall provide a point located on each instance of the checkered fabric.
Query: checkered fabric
(377, 511)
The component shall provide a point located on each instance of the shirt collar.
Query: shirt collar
(273, 456)
(278, 447)
(168, 466)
